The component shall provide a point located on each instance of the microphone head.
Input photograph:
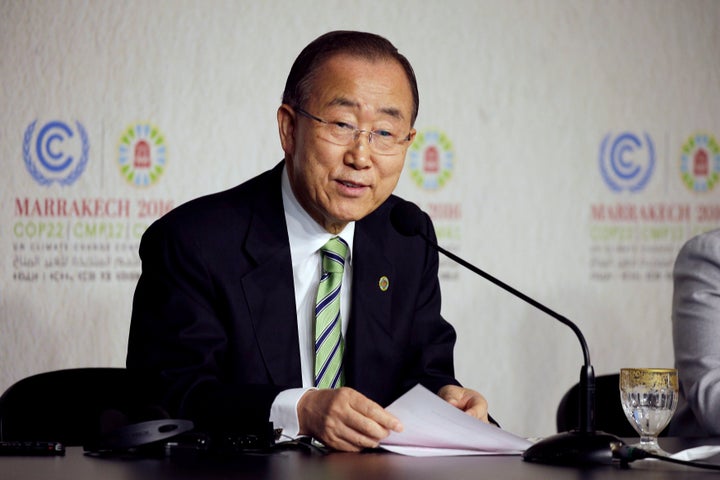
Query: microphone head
(407, 218)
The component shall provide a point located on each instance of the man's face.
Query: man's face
(338, 184)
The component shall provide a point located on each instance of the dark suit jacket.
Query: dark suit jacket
(214, 328)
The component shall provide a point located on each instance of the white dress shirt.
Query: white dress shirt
(306, 238)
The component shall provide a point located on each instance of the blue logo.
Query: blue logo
(627, 161)
(57, 153)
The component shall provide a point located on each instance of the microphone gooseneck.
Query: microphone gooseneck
(407, 219)
(577, 447)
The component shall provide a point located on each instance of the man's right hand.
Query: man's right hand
(344, 419)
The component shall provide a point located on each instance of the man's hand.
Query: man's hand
(344, 419)
(469, 401)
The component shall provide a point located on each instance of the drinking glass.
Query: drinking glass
(649, 397)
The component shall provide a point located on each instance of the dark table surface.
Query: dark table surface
(290, 465)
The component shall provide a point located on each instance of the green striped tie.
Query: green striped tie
(329, 345)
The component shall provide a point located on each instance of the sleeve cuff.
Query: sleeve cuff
(283, 412)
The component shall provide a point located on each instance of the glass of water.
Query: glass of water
(649, 397)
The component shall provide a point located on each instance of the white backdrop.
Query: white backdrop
(576, 148)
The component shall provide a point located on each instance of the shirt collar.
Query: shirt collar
(306, 236)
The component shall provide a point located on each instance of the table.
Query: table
(296, 465)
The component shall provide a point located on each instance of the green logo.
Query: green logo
(700, 163)
(142, 154)
(431, 159)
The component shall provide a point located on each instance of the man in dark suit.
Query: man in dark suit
(224, 311)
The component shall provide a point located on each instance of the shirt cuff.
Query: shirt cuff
(283, 412)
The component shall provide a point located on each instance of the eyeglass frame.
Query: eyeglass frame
(356, 131)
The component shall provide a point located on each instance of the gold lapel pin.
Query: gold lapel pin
(384, 283)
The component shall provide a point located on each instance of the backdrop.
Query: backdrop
(569, 148)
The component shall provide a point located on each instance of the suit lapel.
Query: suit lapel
(371, 304)
(269, 289)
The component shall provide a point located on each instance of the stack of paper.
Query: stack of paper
(433, 427)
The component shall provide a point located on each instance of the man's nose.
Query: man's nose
(358, 153)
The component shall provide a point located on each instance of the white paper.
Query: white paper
(697, 453)
(433, 427)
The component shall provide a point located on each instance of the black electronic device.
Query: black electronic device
(137, 435)
(583, 446)
(31, 448)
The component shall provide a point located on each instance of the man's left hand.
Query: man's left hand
(467, 400)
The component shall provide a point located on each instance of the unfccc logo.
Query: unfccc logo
(627, 161)
(57, 152)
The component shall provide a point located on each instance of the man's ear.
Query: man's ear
(286, 126)
(411, 139)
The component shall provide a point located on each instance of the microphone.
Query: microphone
(583, 446)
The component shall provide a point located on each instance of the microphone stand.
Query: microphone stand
(576, 447)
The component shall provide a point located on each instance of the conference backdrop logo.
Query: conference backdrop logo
(55, 151)
(142, 154)
(431, 159)
(700, 162)
(627, 161)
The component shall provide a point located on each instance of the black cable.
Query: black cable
(626, 454)
(305, 444)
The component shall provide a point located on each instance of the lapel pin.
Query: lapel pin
(384, 283)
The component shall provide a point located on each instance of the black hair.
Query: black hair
(358, 44)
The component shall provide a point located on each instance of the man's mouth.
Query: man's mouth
(351, 184)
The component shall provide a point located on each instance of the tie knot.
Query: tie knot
(334, 253)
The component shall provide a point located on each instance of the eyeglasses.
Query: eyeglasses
(382, 142)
